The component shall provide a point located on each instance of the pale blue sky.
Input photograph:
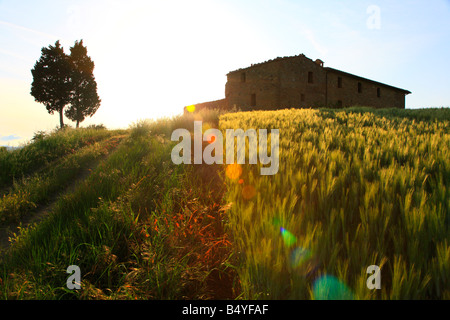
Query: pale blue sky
(154, 57)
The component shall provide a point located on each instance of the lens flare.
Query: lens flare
(304, 262)
(331, 288)
(288, 238)
(211, 138)
(300, 256)
(233, 171)
(248, 192)
(190, 108)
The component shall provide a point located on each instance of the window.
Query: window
(243, 77)
(378, 92)
(302, 97)
(359, 87)
(339, 104)
(339, 82)
(253, 100)
(310, 77)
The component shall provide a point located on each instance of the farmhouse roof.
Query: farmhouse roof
(365, 79)
(269, 61)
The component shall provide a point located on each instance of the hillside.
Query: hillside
(355, 188)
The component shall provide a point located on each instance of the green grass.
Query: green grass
(355, 188)
(28, 193)
(136, 227)
(44, 150)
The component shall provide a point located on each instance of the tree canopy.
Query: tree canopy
(51, 80)
(60, 80)
(84, 100)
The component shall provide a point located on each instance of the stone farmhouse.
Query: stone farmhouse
(299, 82)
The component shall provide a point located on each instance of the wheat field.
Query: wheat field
(355, 188)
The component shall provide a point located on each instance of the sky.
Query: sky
(152, 58)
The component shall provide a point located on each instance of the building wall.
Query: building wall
(302, 84)
(261, 82)
(348, 94)
(280, 83)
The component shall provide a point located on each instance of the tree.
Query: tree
(84, 100)
(60, 80)
(51, 80)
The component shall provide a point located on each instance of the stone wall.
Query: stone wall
(303, 83)
(277, 84)
(369, 93)
(259, 83)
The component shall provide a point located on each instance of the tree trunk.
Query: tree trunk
(61, 118)
(78, 124)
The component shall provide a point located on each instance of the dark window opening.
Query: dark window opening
(253, 100)
(310, 77)
(302, 97)
(378, 92)
(359, 87)
(339, 104)
(339, 82)
(243, 77)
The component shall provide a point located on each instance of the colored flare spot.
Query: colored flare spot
(190, 108)
(233, 171)
(248, 192)
(300, 256)
(331, 288)
(288, 238)
(211, 138)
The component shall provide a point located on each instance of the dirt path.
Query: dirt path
(220, 280)
(8, 230)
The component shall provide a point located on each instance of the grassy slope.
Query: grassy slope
(43, 182)
(138, 227)
(353, 189)
(44, 151)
